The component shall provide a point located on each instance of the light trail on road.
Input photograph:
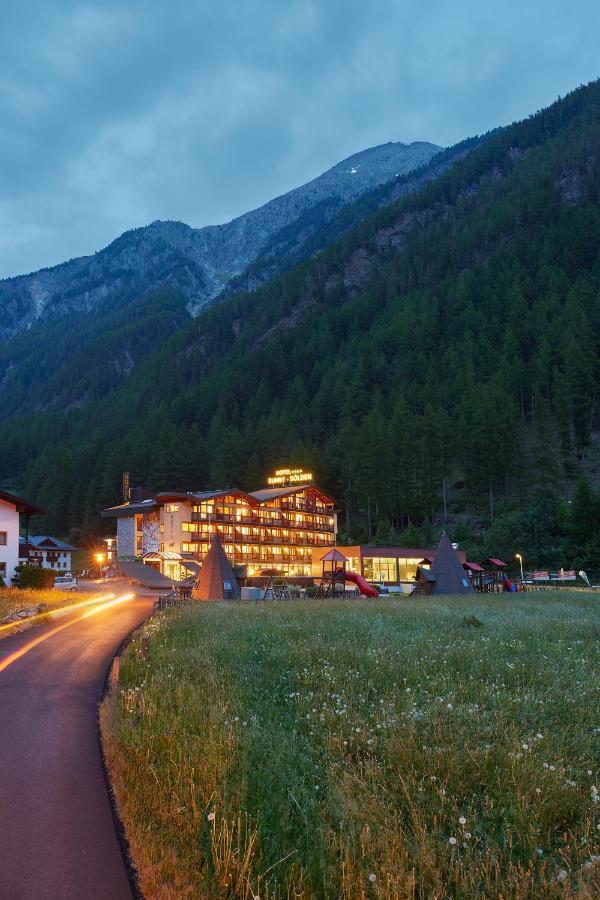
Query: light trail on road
(55, 613)
(5, 663)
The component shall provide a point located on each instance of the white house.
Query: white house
(47, 552)
(11, 508)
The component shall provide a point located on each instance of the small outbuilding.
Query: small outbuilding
(216, 580)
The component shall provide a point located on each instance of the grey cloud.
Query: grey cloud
(115, 113)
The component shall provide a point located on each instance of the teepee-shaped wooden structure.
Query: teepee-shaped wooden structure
(216, 580)
(446, 575)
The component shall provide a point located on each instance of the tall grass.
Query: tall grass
(391, 749)
(13, 600)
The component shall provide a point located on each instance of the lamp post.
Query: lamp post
(100, 560)
(520, 558)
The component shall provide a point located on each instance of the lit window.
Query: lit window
(3, 538)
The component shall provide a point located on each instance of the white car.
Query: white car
(65, 583)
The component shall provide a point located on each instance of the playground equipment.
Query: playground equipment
(366, 589)
(335, 575)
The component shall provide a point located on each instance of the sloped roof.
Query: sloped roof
(47, 542)
(216, 580)
(265, 494)
(159, 556)
(22, 506)
(495, 562)
(199, 496)
(145, 575)
(333, 556)
(425, 573)
(129, 509)
(450, 577)
(473, 567)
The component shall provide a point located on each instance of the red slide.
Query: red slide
(366, 589)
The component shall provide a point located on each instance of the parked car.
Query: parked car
(65, 583)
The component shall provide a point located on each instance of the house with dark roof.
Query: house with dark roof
(14, 511)
(47, 552)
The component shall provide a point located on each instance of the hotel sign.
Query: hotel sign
(285, 477)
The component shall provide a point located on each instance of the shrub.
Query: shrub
(33, 577)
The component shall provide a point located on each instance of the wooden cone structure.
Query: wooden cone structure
(216, 580)
(447, 569)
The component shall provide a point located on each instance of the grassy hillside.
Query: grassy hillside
(386, 749)
(451, 339)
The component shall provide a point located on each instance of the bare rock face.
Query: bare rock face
(199, 262)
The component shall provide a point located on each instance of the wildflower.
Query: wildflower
(468, 835)
(452, 841)
(211, 817)
(525, 746)
(538, 790)
(562, 875)
(462, 820)
(539, 851)
(372, 877)
(552, 768)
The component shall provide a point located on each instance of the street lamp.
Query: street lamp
(100, 560)
(520, 558)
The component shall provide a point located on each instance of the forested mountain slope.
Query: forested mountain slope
(450, 339)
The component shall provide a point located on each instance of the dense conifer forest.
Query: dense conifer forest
(438, 363)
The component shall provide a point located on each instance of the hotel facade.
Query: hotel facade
(273, 530)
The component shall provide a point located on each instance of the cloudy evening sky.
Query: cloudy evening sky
(113, 114)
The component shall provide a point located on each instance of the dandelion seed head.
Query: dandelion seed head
(452, 841)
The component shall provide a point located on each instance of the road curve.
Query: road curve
(57, 834)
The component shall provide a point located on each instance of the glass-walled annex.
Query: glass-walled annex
(381, 565)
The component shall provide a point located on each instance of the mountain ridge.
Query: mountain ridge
(198, 261)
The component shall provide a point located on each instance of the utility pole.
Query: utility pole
(445, 508)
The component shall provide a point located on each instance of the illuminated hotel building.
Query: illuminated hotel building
(274, 529)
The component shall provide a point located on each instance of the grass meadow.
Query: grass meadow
(351, 749)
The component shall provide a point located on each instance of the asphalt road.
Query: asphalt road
(57, 834)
